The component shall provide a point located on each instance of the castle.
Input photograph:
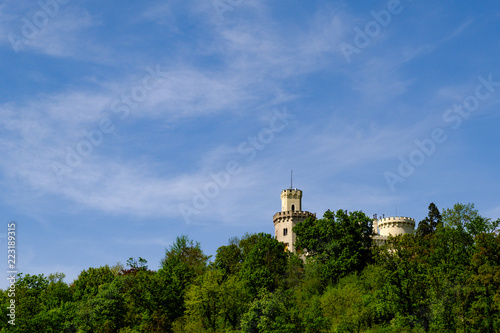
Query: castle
(291, 214)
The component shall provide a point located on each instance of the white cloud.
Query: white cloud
(64, 33)
(461, 28)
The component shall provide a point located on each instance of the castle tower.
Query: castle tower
(394, 226)
(291, 200)
(291, 214)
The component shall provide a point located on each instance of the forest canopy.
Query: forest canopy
(443, 278)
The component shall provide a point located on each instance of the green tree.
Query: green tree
(215, 302)
(106, 311)
(271, 312)
(228, 259)
(187, 256)
(449, 256)
(247, 242)
(43, 304)
(466, 217)
(265, 264)
(405, 289)
(484, 311)
(340, 242)
(294, 272)
(135, 265)
(88, 282)
(183, 262)
(428, 225)
(30, 292)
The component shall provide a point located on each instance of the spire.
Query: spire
(291, 179)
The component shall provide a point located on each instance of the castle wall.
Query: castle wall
(396, 225)
(291, 214)
(291, 200)
(286, 221)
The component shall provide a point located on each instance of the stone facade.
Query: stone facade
(391, 226)
(291, 214)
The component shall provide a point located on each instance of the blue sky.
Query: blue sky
(126, 124)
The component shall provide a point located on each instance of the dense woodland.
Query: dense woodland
(445, 278)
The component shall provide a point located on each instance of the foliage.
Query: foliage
(228, 259)
(88, 282)
(215, 304)
(265, 264)
(466, 217)
(428, 225)
(271, 312)
(446, 278)
(340, 242)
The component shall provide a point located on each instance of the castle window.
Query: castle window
(293, 208)
(285, 231)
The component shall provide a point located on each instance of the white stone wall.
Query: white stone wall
(287, 220)
(396, 225)
(291, 197)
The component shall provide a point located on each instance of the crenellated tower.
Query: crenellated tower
(391, 226)
(291, 214)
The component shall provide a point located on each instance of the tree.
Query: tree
(215, 302)
(88, 282)
(428, 225)
(265, 264)
(247, 242)
(340, 242)
(450, 253)
(405, 288)
(466, 217)
(137, 264)
(188, 254)
(228, 259)
(271, 312)
(183, 262)
(106, 311)
(349, 305)
(29, 301)
(484, 313)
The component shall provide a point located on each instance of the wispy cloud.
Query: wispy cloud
(461, 28)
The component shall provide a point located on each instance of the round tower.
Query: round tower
(396, 225)
(291, 214)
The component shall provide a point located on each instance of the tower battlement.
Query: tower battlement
(291, 200)
(396, 225)
(291, 214)
(285, 216)
(396, 219)
(291, 191)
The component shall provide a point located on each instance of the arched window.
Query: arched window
(293, 208)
